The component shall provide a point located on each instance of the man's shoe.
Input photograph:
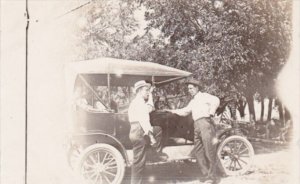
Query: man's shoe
(208, 182)
(224, 175)
(162, 156)
(153, 141)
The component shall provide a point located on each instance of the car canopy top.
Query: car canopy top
(117, 72)
(120, 72)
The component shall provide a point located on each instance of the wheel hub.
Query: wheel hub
(99, 168)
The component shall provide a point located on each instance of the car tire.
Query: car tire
(101, 163)
(236, 155)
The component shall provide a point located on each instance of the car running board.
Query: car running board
(175, 154)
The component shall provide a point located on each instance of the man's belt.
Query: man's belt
(205, 118)
(134, 122)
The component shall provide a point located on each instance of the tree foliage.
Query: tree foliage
(105, 28)
(236, 44)
(231, 46)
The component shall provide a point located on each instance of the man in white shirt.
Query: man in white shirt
(203, 107)
(141, 129)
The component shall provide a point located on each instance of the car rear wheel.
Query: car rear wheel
(236, 154)
(101, 164)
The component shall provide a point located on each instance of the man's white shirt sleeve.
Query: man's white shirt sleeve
(184, 111)
(202, 105)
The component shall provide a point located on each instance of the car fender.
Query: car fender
(90, 138)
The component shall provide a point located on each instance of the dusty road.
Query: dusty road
(270, 166)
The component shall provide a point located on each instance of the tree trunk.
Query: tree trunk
(287, 114)
(280, 110)
(270, 108)
(251, 107)
(232, 109)
(262, 109)
(241, 108)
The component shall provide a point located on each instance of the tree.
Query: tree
(262, 112)
(270, 108)
(241, 105)
(106, 29)
(231, 45)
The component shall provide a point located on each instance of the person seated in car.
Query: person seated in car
(98, 106)
(80, 99)
(114, 106)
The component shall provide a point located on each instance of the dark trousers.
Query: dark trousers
(205, 148)
(140, 144)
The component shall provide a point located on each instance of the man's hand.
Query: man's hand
(152, 89)
(167, 110)
(152, 138)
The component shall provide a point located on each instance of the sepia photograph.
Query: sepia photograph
(149, 91)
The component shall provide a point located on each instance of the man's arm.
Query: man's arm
(144, 118)
(184, 111)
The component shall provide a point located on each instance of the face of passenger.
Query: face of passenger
(144, 92)
(193, 90)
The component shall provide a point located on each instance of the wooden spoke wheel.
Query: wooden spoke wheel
(236, 154)
(101, 164)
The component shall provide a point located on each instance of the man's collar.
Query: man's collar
(199, 92)
(139, 97)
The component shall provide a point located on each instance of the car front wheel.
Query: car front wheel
(101, 163)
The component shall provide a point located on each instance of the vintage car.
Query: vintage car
(99, 147)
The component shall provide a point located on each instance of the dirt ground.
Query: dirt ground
(271, 165)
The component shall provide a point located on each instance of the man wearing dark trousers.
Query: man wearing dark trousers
(141, 132)
(203, 107)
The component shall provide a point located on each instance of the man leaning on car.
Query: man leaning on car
(141, 130)
(202, 107)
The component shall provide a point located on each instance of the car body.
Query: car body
(96, 134)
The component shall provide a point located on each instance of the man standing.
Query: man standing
(203, 107)
(141, 130)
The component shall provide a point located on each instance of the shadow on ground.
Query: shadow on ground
(182, 172)
(263, 148)
(177, 172)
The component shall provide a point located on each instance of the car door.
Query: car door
(176, 129)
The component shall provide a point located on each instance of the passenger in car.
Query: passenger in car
(99, 106)
(114, 106)
(80, 100)
(141, 130)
